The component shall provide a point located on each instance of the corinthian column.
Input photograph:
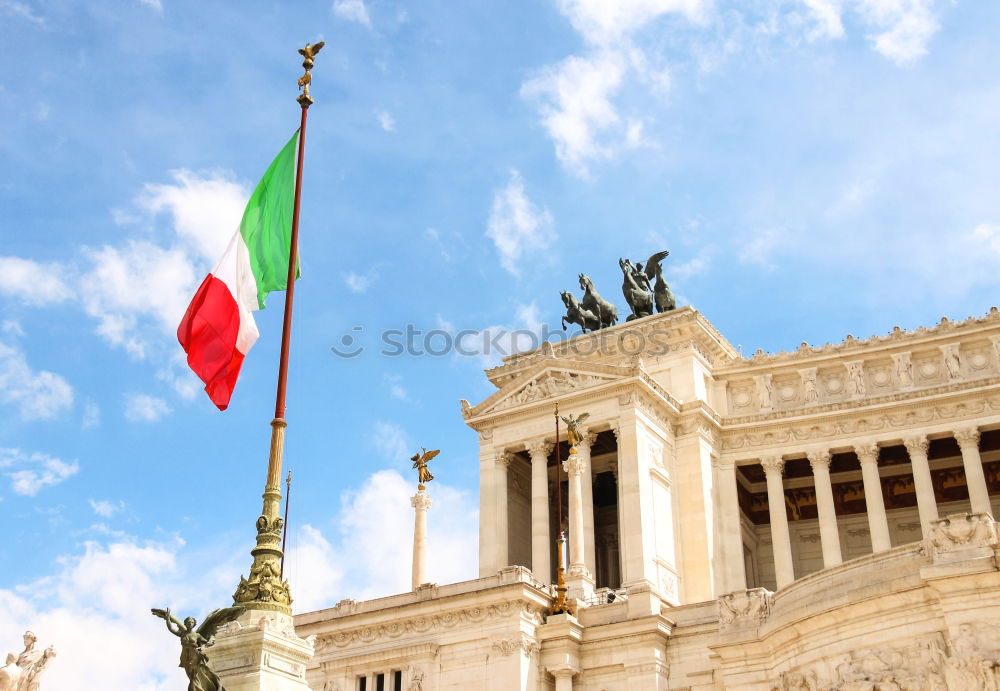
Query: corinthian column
(541, 538)
(781, 544)
(587, 484)
(975, 479)
(574, 469)
(734, 576)
(829, 536)
(916, 446)
(878, 524)
(502, 463)
(421, 501)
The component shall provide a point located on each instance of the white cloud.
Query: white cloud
(154, 4)
(206, 209)
(29, 473)
(108, 589)
(989, 235)
(516, 225)
(391, 441)
(372, 555)
(385, 120)
(602, 22)
(12, 8)
(12, 327)
(37, 394)
(138, 281)
(358, 283)
(826, 14)
(352, 10)
(33, 282)
(906, 27)
(396, 389)
(140, 407)
(695, 266)
(106, 509)
(761, 248)
(574, 98)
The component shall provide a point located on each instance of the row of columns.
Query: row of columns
(819, 459)
(582, 552)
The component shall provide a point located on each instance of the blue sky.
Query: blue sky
(815, 167)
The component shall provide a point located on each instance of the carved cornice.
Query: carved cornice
(471, 616)
(897, 337)
(900, 421)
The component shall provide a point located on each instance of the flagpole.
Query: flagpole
(560, 606)
(284, 534)
(265, 587)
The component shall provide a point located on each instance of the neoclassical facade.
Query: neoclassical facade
(819, 519)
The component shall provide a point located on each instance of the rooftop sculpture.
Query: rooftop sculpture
(593, 312)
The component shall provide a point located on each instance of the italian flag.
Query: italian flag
(218, 329)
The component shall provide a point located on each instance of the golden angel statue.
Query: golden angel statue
(420, 461)
(573, 433)
(193, 641)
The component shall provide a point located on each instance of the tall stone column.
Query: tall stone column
(829, 535)
(878, 524)
(574, 469)
(503, 460)
(917, 446)
(541, 537)
(975, 478)
(781, 543)
(421, 501)
(587, 483)
(733, 574)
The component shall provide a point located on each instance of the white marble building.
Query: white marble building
(820, 519)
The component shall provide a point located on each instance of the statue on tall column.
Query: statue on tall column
(194, 661)
(420, 461)
(574, 435)
(22, 672)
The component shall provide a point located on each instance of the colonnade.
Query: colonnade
(582, 552)
(819, 459)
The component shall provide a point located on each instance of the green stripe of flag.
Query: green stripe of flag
(267, 223)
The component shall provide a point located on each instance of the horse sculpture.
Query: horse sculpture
(636, 295)
(606, 312)
(575, 314)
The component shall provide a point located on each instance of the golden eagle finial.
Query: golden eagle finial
(308, 53)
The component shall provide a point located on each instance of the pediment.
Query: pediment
(547, 381)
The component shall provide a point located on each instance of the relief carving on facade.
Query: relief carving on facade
(508, 646)
(856, 378)
(809, 390)
(961, 531)
(952, 361)
(558, 382)
(765, 391)
(903, 369)
(744, 607)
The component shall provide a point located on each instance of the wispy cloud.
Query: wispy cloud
(391, 441)
(12, 8)
(32, 282)
(38, 395)
(516, 225)
(385, 120)
(352, 10)
(30, 472)
(140, 407)
(394, 383)
(104, 508)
